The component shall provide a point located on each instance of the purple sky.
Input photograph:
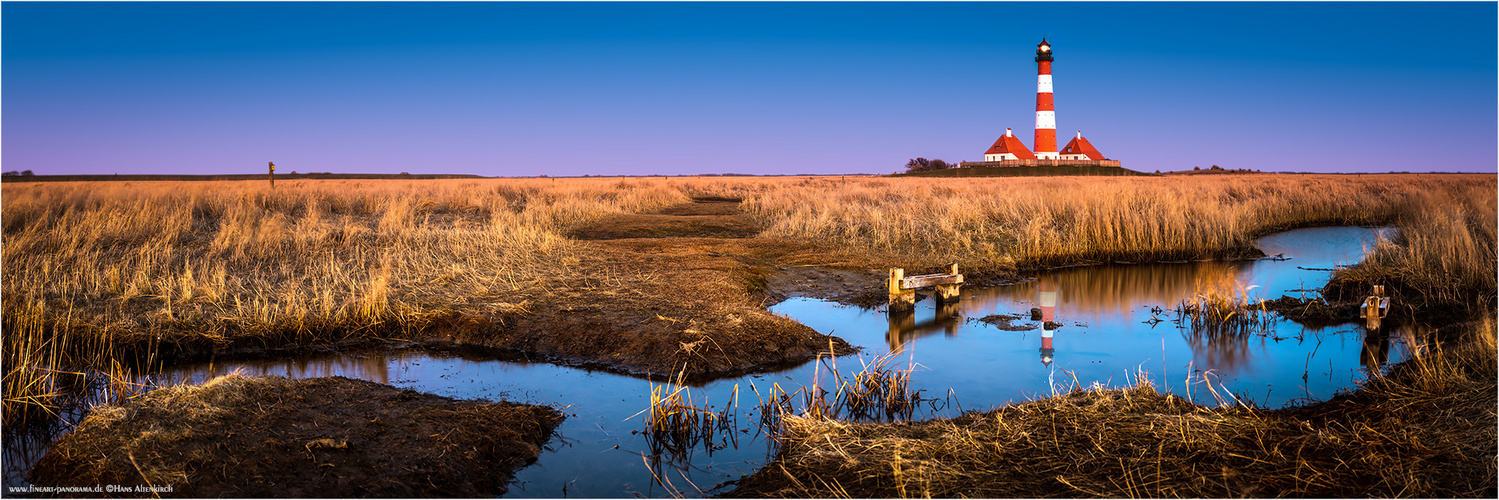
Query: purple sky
(761, 88)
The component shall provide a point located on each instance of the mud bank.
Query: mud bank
(237, 436)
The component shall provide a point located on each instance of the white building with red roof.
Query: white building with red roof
(1008, 147)
(1080, 149)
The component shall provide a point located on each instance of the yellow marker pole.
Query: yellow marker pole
(272, 175)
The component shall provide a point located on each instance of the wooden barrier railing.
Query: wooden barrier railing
(903, 289)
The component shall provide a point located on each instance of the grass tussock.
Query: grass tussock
(676, 425)
(878, 391)
(322, 437)
(1425, 430)
(1220, 313)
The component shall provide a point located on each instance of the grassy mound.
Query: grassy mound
(275, 437)
(1425, 430)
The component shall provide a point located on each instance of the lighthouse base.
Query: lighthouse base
(1041, 163)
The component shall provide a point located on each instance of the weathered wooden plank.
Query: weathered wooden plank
(927, 280)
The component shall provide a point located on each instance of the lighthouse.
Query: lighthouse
(1009, 151)
(1046, 113)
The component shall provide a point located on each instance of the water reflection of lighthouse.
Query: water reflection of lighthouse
(1047, 299)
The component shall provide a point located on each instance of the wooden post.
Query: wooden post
(272, 175)
(1376, 306)
(949, 293)
(900, 298)
(1371, 313)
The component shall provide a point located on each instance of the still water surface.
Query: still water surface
(1108, 333)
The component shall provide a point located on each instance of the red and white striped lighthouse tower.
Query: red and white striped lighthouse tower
(1046, 113)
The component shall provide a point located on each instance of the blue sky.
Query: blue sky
(762, 88)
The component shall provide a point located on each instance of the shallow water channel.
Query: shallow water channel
(1107, 334)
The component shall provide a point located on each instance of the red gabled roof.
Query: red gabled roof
(1010, 144)
(1079, 145)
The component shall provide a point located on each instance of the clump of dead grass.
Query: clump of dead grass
(1220, 313)
(676, 424)
(1425, 430)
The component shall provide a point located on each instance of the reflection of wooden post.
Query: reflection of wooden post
(900, 298)
(272, 175)
(902, 322)
(949, 317)
(1376, 350)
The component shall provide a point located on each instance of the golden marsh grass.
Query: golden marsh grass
(98, 274)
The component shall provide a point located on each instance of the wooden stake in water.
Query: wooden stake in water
(1376, 306)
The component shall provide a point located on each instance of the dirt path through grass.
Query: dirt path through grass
(703, 218)
(680, 289)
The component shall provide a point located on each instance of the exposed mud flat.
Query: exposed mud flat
(1006, 322)
(861, 288)
(677, 291)
(704, 218)
(1314, 311)
(238, 436)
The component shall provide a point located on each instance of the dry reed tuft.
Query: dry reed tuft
(1425, 430)
(1219, 313)
(773, 406)
(676, 425)
(878, 391)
